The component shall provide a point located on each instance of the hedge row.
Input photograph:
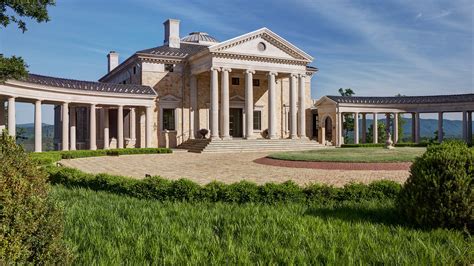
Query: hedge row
(373, 145)
(45, 158)
(243, 192)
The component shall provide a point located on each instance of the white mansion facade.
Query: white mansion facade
(254, 86)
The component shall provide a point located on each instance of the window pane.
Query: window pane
(256, 82)
(235, 81)
(168, 119)
(257, 120)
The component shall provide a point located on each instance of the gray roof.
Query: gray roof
(456, 98)
(199, 37)
(89, 85)
(183, 51)
(311, 68)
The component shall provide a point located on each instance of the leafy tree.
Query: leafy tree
(348, 118)
(15, 12)
(382, 134)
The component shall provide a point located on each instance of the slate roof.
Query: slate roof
(183, 51)
(456, 98)
(89, 85)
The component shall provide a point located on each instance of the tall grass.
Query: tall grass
(105, 228)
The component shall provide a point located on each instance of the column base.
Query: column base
(215, 138)
(251, 137)
(273, 137)
(304, 138)
(226, 138)
(293, 137)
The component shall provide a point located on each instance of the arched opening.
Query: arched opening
(328, 129)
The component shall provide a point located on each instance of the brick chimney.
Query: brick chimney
(113, 60)
(172, 33)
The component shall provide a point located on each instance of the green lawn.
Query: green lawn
(104, 228)
(361, 155)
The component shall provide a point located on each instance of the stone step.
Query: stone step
(243, 145)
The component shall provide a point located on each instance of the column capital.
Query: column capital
(38, 100)
(302, 75)
(272, 73)
(215, 69)
(294, 75)
(226, 69)
(249, 71)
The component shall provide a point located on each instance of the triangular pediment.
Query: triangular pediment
(169, 98)
(237, 98)
(261, 43)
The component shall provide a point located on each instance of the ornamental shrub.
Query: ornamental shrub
(440, 189)
(31, 224)
(288, 191)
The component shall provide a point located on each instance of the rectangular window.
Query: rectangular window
(169, 67)
(235, 81)
(257, 120)
(134, 70)
(256, 82)
(168, 119)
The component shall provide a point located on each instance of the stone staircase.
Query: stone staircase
(243, 145)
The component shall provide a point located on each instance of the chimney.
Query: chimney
(172, 33)
(113, 60)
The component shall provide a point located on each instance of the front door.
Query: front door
(236, 122)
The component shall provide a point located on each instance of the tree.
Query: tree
(381, 132)
(15, 12)
(348, 124)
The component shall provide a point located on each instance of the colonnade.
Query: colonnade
(416, 132)
(69, 124)
(219, 115)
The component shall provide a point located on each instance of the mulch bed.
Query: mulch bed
(335, 165)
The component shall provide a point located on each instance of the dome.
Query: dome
(199, 37)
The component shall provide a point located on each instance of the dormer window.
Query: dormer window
(169, 67)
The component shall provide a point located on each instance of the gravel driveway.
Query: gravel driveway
(227, 168)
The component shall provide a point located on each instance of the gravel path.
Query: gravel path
(227, 168)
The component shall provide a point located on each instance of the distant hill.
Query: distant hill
(28, 136)
(452, 128)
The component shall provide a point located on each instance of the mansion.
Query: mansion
(195, 88)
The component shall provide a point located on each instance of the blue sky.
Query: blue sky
(374, 47)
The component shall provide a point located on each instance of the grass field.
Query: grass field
(104, 228)
(361, 155)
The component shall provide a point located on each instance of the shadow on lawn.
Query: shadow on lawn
(358, 214)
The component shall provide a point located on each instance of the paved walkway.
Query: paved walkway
(227, 168)
(335, 165)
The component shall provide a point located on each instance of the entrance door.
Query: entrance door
(328, 128)
(236, 122)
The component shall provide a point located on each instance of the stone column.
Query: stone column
(469, 127)
(293, 114)
(38, 127)
(65, 126)
(395, 128)
(193, 110)
(375, 131)
(148, 125)
(214, 108)
(72, 128)
(224, 121)
(272, 102)
(93, 128)
(356, 128)
(249, 104)
(339, 126)
(133, 124)
(417, 128)
(2, 115)
(302, 107)
(464, 126)
(106, 129)
(413, 127)
(364, 128)
(120, 127)
(11, 117)
(440, 127)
